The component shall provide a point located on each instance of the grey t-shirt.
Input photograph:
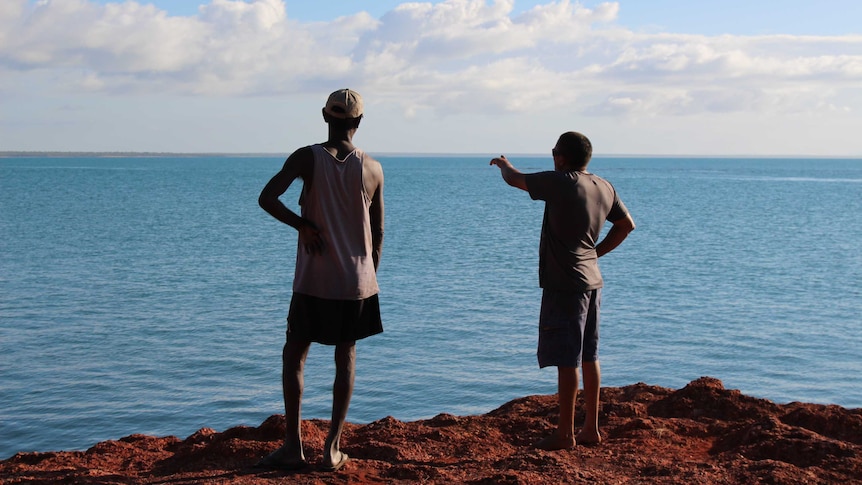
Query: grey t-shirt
(576, 207)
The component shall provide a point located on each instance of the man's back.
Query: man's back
(338, 202)
(577, 204)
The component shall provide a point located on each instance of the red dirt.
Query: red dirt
(701, 434)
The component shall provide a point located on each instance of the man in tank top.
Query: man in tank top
(335, 289)
(577, 204)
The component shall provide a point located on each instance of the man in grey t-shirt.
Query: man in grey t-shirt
(577, 204)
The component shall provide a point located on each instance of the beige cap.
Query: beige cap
(344, 103)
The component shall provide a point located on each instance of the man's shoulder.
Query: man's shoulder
(544, 175)
(370, 162)
(301, 161)
(303, 153)
(607, 183)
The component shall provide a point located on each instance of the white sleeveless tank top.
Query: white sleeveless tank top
(337, 203)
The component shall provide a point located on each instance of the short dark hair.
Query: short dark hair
(576, 148)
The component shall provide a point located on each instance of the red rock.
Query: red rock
(702, 434)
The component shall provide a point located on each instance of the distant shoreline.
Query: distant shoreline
(26, 154)
(71, 154)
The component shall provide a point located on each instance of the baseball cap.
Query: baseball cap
(344, 103)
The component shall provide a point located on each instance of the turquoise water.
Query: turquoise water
(148, 295)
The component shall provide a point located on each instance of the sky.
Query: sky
(638, 77)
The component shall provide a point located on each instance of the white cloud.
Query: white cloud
(230, 48)
(448, 58)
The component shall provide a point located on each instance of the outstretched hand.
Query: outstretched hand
(501, 161)
(510, 174)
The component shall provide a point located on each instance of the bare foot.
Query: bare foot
(281, 459)
(589, 438)
(555, 442)
(334, 463)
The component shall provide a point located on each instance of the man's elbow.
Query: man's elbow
(625, 225)
(264, 201)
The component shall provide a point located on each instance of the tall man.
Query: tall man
(577, 204)
(335, 288)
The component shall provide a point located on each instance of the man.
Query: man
(335, 288)
(577, 204)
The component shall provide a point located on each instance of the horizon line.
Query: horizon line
(131, 153)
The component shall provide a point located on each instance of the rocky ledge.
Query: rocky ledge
(701, 434)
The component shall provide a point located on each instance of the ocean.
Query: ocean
(149, 294)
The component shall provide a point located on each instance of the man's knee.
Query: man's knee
(345, 355)
(294, 353)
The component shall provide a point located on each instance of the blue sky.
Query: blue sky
(660, 77)
(681, 16)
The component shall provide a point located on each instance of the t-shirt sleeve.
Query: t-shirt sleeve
(618, 209)
(540, 185)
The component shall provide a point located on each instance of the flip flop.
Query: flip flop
(332, 468)
(272, 461)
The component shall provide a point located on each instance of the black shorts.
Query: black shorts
(332, 321)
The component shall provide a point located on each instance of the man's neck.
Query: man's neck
(569, 168)
(339, 147)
